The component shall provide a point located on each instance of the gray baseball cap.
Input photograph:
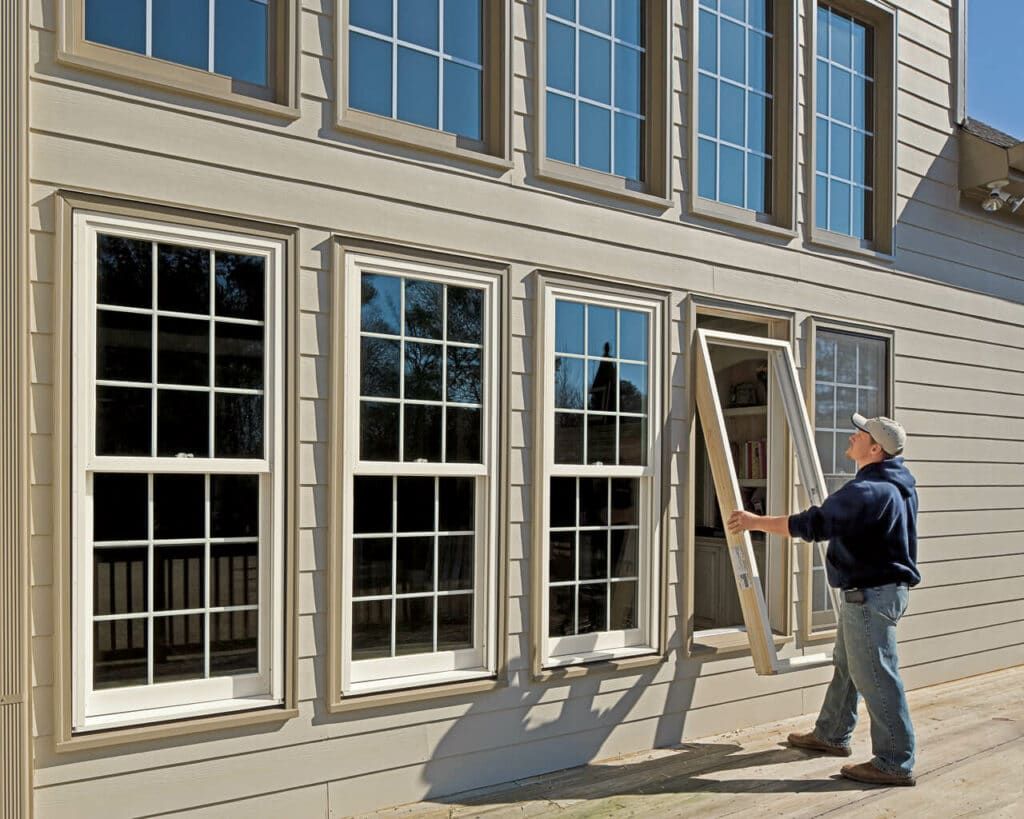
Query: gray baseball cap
(887, 433)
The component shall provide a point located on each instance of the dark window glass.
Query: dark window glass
(371, 629)
(601, 331)
(595, 138)
(414, 625)
(124, 271)
(593, 555)
(371, 566)
(418, 22)
(234, 574)
(569, 327)
(454, 622)
(378, 431)
(423, 308)
(370, 14)
(234, 642)
(239, 355)
(595, 70)
(184, 279)
(602, 385)
(178, 647)
(179, 506)
(117, 23)
(561, 62)
(627, 146)
(381, 304)
(561, 131)
(632, 441)
(561, 611)
(234, 505)
(239, 430)
(119, 580)
(601, 439)
(455, 563)
(624, 553)
(593, 605)
(417, 87)
(181, 32)
(414, 565)
(240, 282)
(597, 14)
(462, 435)
(568, 383)
(629, 20)
(625, 496)
(633, 388)
(380, 367)
(455, 504)
(563, 502)
(623, 605)
(178, 577)
(464, 375)
(465, 314)
(423, 371)
(462, 29)
(568, 438)
(122, 421)
(593, 501)
(415, 504)
(369, 86)
(562, 556)
(422, 432)
(566, 9)
(372, 504)
(240, 46)
(627, 79)
(183, 351)
(120, 507)
(120, 655)
(182, 423)
(123, 346)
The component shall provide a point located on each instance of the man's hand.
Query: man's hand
(741, 521)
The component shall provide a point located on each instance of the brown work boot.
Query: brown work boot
(867, 772)
(810, 742)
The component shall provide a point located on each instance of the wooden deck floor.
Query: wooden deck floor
(970, 763)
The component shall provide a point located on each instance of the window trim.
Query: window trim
(281, 99)
(494, 150)
(883, 19)
(655, 189)
(782, 220)
(815, 323)
(652, 649)
(186, 720)
(350, 255)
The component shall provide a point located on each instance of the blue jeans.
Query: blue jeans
(866, 665)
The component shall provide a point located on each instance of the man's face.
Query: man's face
(860, 446)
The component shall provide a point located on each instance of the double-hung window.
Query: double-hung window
(417, 505)
(177, 471)
(598, 515)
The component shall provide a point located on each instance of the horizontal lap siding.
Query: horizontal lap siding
(959, 386)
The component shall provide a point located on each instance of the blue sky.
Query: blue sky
(995, 70)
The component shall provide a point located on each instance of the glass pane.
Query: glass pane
(240, 285)
(839, 207)
(625, 496)
(846, 359)
(734, 8)
(623, 605)
(841, 36)
(561, 611)
(731, 176)
(418, 22)
(601, 385)
(183, 351)
(824, 405)
(593, 615)
(234, 642)
(414, 565)
(733, 51)
(706, 169)
(378, 431)
(862, 103)
(822, 31)
(707, 101)
(462, 100)
(857, 213)
(732, 100)
(593, 501)
(455, 563)
(370, 14)
(624, 553)
(182, 424)
(372, 508)
(119, 651)
(371, 629)
(422, 432)
(465, 314)
(181, 32)
(562, 556)
(568, 438)
(416, 504)
(759, 127)
(369, 79)
(179, 507)
(117, 23)
(601, 439)
(464, 375)
(863, 55)
(628, 22)
(862, 164)
(414, 625)
(824, 442)
(593, 555)
(234, 505)
(565, 9)
(371, 566)
(840, 154)
(178, 647)
(821, 88)
(239, 426)
(759, 14)
(568, 327)
(417, 87)
(239, 351)
(120, 508)
(119, 580)
(178, 577)
(846, 405)
(124, 271)
(568, 383)
(595, 68)
(122, 421)
(240, 40)
(841, 97)
(821, 201)
(633, 335)
(454, 622)
(123, 346)
(184, 279)
(561, 130)
(597, 14)
(424, 312)
(462, 29)
(563, 502)
(825, 357)
(234, 574)
(758, 176)
(423, 371)
(455, 504)
(561, 62)
(869, 403)
(760, 62)
(595, 137)
(462, 435)
(601, 331)
(821, 144)
(632, 441)
(627, 146)
(381, 304)
(633, 388)
(708, 42)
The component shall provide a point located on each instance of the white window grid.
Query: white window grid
(394, 41)
(442, 344)
(106, 708)
(747, 89)
(577, 98)
(828, 177)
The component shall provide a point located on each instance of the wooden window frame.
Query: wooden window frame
(808, 631)
(654, 190)
(494, 150)
(650, 647)
(351, 257)
(781, 221)
(883, 19)
(77, 213)
(280, 98)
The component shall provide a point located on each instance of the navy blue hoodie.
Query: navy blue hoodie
(870, 524)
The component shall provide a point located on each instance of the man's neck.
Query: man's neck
(868, 462)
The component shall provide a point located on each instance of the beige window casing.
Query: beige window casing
(280, 99)
(781, 221)
(493, 151)
(65, 738)
(655, 188)
(882, 18)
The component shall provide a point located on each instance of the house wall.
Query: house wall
(952, 297)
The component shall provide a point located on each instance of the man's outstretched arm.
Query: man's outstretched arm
(740, 521)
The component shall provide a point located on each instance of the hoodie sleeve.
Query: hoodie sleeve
(836, 516)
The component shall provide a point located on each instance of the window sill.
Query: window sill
(847, 244)
(410, 135)
(405, 691)
(564, 668)
(728, 641)
(617, 187)
(737, 217)
(819, 636)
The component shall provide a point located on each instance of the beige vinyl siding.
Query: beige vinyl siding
(959, 385)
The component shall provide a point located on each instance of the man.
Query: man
(871, 526)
